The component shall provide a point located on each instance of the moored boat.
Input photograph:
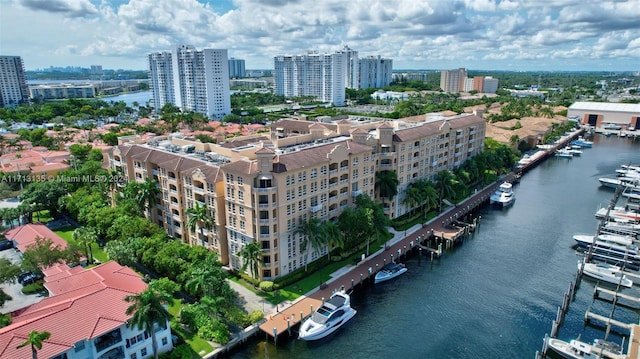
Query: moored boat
(389, 271)
(576, 349)
(503, 196)
(619, 214)
(331, 315)
(607, 273)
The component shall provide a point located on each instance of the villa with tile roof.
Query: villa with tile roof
(85, 316)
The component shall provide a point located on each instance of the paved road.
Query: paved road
(19, 300)
(251, 301)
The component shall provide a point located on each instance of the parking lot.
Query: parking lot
(18, 300)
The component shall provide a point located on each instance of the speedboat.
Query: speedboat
(612, 242)
(576, 349)
(607, 273)
(331, 315)
(626, 182)
(563, 153)
(582, 142)
(622, 214)
(389, 271)
(503, 196)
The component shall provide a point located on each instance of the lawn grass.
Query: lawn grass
(197, 344)
(42, 216)
(99, 254)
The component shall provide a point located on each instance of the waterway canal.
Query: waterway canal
(496, 295)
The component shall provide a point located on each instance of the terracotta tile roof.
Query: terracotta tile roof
(314, 155)
(95, 308)
(430, 128)
(242, 166)
(49, 167)
(25, 235)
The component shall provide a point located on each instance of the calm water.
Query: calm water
(140, 97)
(497, 294)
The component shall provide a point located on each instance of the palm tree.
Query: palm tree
(86, 237)
(199, 217)
(412, 197)
(334, 236)
(251, 255)
(312, 232)
(147, 193)
(387, 184)
(444, 184)
(147, 309)
(35, 341)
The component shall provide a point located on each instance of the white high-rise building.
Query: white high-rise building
(236, 68)
(161, 79)
(319, 75)
(375, 72)
(351, 67)
(13, 83)
(198, 79)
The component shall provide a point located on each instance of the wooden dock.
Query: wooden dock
(607, 321)
(283, 321)
(597, 291)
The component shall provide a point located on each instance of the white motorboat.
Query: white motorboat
(389, 271)
(331, 315)
(576, 349)
(616, 243)
(628, 182)
(582, 142)
(619, 214)
(563, 153)
(573, 151)
(607, 273)
(503, 196)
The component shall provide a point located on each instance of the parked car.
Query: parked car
(29, 277)
(6, 244)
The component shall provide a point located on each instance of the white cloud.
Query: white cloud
(424, 33)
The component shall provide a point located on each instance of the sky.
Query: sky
(511, 35)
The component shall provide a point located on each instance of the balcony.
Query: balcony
(317, 208)
(264, 220)
(263, 205)
(199, 190)
(356, 193)
(387, 154)
(117, 163)
(333, 171)
(107, 340)
(386, 166)
(344, 168)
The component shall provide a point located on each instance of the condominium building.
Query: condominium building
(453, 80)
(13, 83)
(312, 74)
(261, 188)
(236, 68)
(485, 84)
(351, 68)
(375, 72)
(194, 80)
(161, 79)
(60, 91)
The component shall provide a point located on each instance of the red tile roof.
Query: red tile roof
(94, 306)
(25, 235)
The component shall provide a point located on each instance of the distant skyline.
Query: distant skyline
(510, 35)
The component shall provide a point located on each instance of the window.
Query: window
(133, 356)
(165, 341)
(143, 352)
(239, 180)
(240, 196)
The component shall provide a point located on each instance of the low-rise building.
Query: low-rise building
(85, 316)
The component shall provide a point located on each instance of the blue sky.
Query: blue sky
(517, 35)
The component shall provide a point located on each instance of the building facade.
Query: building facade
(13, 83)
(312, 74)
(261, 188)
(60, 91)
(600, 114)
(161, 79)
(194, 80)
(236, 68)
(375, 72)
(453, 80)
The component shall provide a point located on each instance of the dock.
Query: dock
(588, 316)
(597, 291)
(282, 321)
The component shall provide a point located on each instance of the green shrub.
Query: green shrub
(253, 317)
(33, 288)
(215, 330)
(266, 286)
(5, 319)
(4, 297)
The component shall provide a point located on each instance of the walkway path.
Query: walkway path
(251, 301)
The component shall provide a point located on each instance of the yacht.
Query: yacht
(606, 273)
(576, 349)
(503, 196)
(389, 271)
(331, 315)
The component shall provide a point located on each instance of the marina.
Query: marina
(506, 280)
